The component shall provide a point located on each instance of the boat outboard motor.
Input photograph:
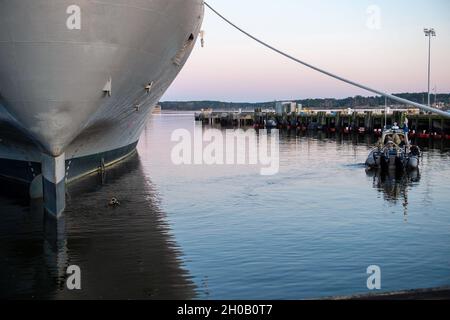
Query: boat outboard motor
(414, 158)
(415, 151)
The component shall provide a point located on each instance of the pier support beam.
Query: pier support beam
(54, 184)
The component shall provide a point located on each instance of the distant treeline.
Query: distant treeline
(351, 102)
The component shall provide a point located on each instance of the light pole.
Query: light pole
(429, 32)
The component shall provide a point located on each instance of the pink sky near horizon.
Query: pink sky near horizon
(232, 67)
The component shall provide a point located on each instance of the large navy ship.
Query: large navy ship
(79, 80)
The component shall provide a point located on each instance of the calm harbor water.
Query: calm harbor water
(226, 232)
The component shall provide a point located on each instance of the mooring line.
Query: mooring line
(353, 83)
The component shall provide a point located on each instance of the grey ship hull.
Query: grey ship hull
(79, 81)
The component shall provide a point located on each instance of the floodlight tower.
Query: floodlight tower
(429, 32)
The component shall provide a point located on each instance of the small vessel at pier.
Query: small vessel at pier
(270, 124)
(394, 152)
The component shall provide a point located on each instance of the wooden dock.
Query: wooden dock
(361, 121)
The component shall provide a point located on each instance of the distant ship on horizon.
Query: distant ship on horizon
(79, 80)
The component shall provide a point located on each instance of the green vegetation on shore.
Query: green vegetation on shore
(331, 103)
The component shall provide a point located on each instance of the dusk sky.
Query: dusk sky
(389, 53)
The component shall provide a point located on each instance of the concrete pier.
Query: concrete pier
(54, 184)
(423, 125)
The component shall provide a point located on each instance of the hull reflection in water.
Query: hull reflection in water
(123, 252)
(394, 185)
